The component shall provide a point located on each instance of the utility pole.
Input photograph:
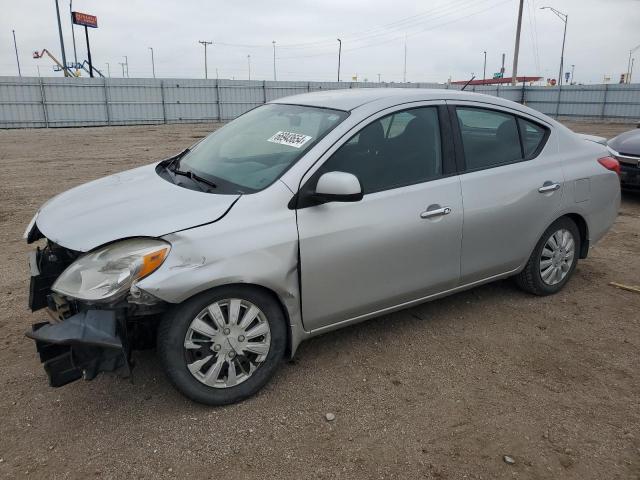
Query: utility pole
(339, 54)
(206, 44)
(378, 78)
(15, 46)
(274, 59)
(484, 68)
(73, 35)
(404, 71)
(249, 62)
(108, 70)
(516, 49)
(631, 52)
(64, 55)
(126, 63)
(564, 17)
(153, 64)
(631, 69)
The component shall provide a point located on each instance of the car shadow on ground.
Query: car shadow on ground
(438, 317)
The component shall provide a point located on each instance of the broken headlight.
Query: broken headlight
(109, 272)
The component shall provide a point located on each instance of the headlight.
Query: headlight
(110, 271)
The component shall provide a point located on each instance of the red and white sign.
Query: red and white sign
(85, 19)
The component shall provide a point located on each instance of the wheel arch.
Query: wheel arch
(583, 228)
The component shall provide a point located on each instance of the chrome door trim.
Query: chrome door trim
(438, 212)
(549, 187)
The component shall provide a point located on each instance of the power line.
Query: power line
(401, 25)
(399, 38)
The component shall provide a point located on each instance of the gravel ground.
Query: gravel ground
(444, 390)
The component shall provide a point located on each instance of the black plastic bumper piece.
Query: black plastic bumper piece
(81, 347)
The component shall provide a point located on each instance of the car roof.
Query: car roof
(349, 99)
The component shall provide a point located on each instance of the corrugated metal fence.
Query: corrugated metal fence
(67, 102)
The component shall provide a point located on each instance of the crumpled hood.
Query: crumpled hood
(133, 203)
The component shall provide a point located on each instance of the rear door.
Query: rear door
(402, 240)
(512, 187)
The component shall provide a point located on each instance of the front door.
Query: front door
(401, 242)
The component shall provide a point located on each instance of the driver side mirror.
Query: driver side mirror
(338, 187)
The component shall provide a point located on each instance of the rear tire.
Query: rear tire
(211, 356)
(553, 260)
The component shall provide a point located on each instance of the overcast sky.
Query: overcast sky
(444, 38)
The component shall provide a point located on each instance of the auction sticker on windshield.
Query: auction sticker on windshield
(291, 139)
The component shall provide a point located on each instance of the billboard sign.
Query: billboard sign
(85, 19)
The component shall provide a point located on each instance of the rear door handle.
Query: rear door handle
(437, 212)
(549, 187)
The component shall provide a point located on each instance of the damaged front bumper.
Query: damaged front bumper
(84, 339)
(81, 346)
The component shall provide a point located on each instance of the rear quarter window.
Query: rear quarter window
(533, 137)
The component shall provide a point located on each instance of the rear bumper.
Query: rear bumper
(81, 346)
(629, 175)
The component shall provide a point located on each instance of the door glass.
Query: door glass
(400, 149)
(532, 136)
(489, 138)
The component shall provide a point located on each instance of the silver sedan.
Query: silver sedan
(305, 215)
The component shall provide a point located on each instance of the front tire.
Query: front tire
(553, 260)
(224, 345)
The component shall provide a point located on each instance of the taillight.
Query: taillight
(610, 163)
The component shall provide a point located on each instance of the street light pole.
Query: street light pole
(108, 70)
(153, 64)
(126, 62)
(249, 63)
(15, 46)
(73, 35)
(339, 55)
(64, 55)
(122, 64)
(484, 68)
(274, 59)
(564, 17)
(205, 43)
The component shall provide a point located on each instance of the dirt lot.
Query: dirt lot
(443, 390)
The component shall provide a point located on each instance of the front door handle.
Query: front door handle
(549, 187)
(436, 212)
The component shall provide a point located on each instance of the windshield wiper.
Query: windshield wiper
(195, 177)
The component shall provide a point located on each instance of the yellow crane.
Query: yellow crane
(41, 54)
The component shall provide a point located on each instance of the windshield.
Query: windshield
(252, 151)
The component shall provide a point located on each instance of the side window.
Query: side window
(400, 149)
(489, 138)
(532, 136)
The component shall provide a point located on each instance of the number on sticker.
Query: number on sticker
(291, 139)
